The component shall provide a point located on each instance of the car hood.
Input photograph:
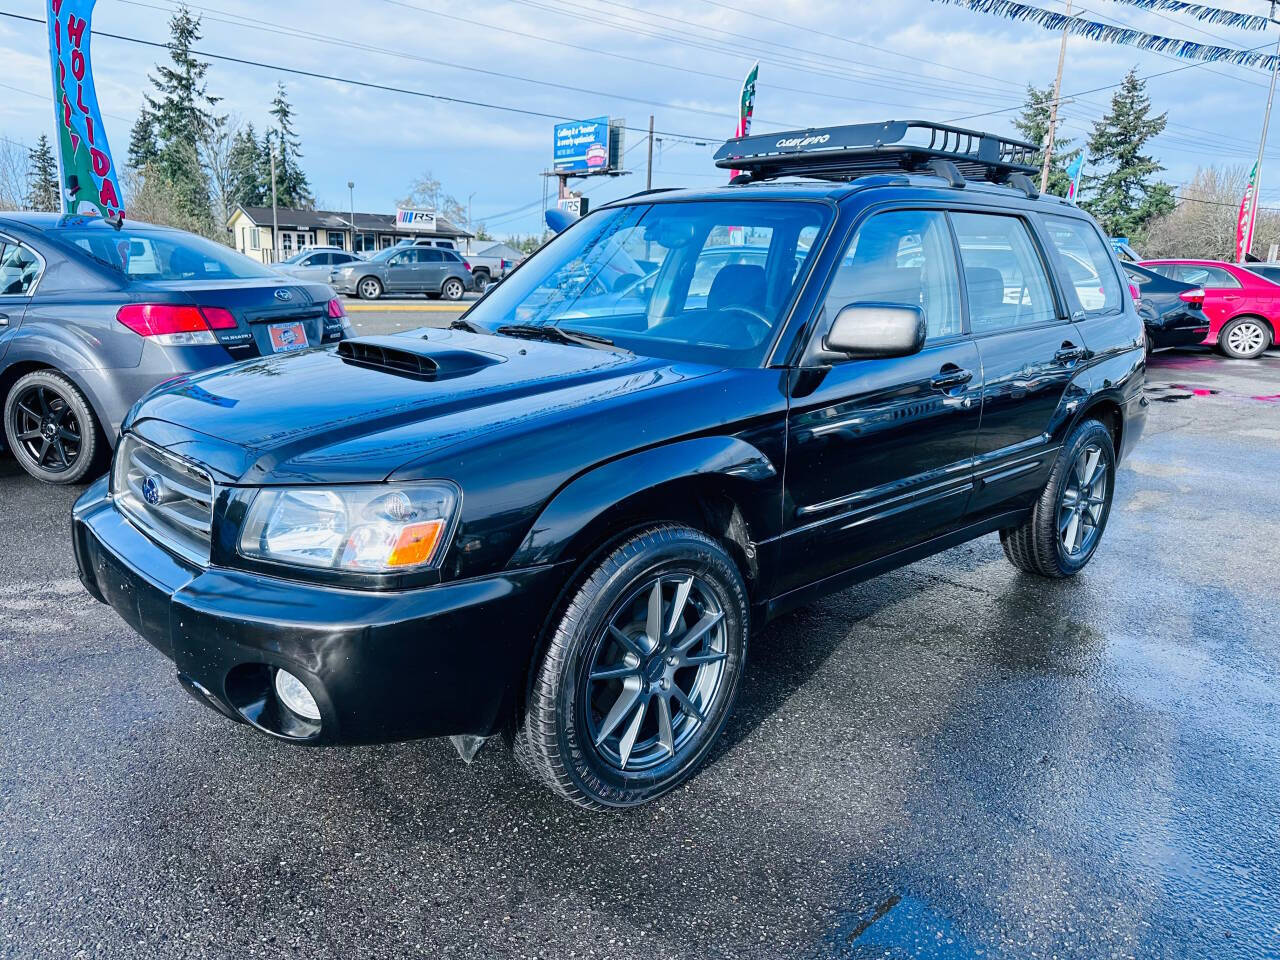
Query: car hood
(359, 412)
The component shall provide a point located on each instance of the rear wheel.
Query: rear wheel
(51, 429)
(641, 673)
(481, 280)
(452, 289)
(1066, 524)
(370, 288)
(1245, 338)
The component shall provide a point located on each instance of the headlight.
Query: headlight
(386, 528)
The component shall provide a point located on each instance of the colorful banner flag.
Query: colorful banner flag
(746, 106)
(1074, 171)
(1245, 218)
(88, 175)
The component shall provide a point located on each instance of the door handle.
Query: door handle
(1070, 353)
(951, 376)
(4, 319)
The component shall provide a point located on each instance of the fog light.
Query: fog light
(293, 693)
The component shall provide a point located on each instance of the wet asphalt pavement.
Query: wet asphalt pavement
(951, 761)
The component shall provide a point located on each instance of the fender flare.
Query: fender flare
(585, 499)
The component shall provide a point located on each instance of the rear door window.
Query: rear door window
(904, 257)
(1204, 276)
(1088, 264)
(1006, 279)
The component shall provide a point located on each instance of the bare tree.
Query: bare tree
(426, 192)
(216, 153)
(15, 165)
(1203, 224)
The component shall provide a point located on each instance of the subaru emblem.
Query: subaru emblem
(152, 490)
(284, 295)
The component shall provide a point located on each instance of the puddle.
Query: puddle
(903, 926)
(1176, 392)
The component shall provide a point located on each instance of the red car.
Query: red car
(1243, 308)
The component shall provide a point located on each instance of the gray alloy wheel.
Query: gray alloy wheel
(370, 288)
(1244, 338)
(1066, 524)
(640, 675)
(452, 289)
(481, 281)
(51, 428)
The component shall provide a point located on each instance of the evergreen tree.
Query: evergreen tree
(143, 146)
(248, 187)
(1124, 195)
(292, 188)
(183, 114)
(1033, 126)
(43, 190)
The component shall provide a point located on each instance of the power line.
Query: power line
(369, 84)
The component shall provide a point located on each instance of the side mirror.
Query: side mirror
(869, 330)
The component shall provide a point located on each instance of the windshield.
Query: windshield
(385, 254)
(296, 258)
(708, 280)
(162, 254)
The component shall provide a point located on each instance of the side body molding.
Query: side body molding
(728, 462)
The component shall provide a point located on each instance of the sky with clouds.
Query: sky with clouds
(821, 62)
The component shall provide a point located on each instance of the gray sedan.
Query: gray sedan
(93, 316)
(406, 269)
(316, 264)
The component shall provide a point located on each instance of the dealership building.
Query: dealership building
(251, 231)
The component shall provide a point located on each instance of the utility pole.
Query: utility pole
(275, 219)
(648, 177)
(1053, 111)
(351, 188)
(1262, 145)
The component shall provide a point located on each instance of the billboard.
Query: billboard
(582, 145)
(424, 220)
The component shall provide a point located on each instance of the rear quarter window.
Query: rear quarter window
(1087, 262)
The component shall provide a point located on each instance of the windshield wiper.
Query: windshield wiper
(466, 325)
(554, 334)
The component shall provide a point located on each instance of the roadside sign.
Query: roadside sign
(575, 206)
(424, 220)
(582, 145)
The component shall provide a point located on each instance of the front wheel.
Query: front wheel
(1244, 338)
(639, 678)
(1066, 524)
(51, 429)
(370, 288)
(452, 289)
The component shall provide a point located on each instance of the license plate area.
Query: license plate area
(287, 337)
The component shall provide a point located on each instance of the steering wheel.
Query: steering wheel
(757, 319)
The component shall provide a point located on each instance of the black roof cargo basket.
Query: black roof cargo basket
(843, 153)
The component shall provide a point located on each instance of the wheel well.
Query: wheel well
(480, 270)
(1271, 327)
(1108, 413)
(704, 503)
(13, 374)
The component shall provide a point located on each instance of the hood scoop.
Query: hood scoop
(397, 355)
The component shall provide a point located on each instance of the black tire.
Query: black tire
(481, 279)
(1245, 338)
(562, 740)
(1037, 546)
(51, 430)
(452, 288)
(369, 288)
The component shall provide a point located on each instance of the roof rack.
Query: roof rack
(846, 152)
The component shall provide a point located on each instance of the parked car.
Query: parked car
(1242, 307)
(569, 529)
(1172, 311)
(92, 316)
(406, 268)
(484, 269)
(316, 263)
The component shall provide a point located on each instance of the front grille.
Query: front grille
(168, 498)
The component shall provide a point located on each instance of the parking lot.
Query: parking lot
(951, 761)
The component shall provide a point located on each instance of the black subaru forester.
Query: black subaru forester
(691, 411)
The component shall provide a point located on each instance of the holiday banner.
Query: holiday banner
(746, 106)
(88, 174)
(1074, 171)
(1245, 218)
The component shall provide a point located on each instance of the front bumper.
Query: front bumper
(382, 666)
